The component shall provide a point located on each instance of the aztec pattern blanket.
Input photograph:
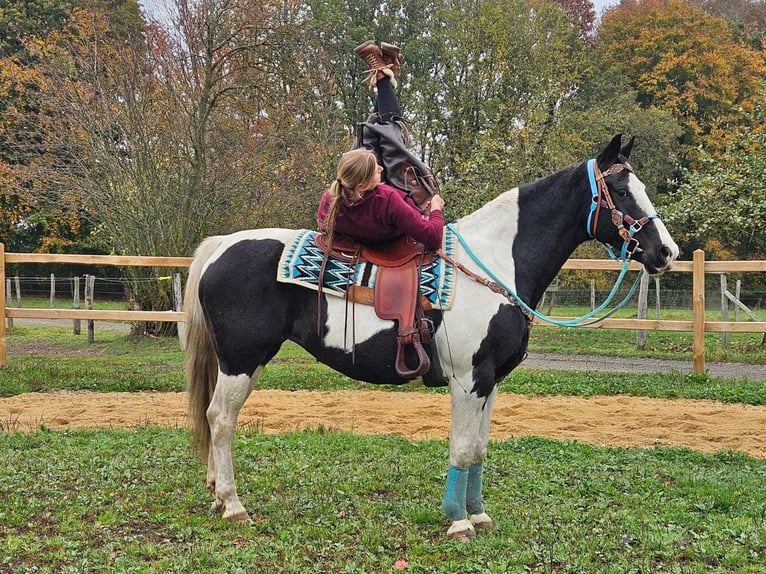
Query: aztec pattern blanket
(301, 263)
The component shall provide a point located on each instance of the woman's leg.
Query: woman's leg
(386, 104)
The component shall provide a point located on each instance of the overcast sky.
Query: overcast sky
(599, 5)
(156, 7)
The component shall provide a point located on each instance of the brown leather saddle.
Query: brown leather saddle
(396, 294)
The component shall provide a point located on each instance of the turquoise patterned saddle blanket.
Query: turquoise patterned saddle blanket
(301, 263)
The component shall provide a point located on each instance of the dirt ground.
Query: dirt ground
(706, 426)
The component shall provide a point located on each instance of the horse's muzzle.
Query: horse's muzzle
(660, 261)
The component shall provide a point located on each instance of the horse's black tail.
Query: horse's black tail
(201, 361)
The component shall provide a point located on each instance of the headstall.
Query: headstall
(601, 197)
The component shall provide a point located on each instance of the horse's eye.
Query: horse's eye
(621, 191)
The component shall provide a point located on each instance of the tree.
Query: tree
(748, 15)
(721, 207)
(583, 15)
(34, 217)
(685, 61)
(492, 90)
(29, 18)
(605, 105)
(169, 138)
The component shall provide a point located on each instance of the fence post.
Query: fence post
(8, 300)
(76, 304)
(643, 308)
(657, 304)
(53, 291)
(698, 312)
(90, 282)
(3, 349)
(724, 308)
(178, 305)
(17, 283)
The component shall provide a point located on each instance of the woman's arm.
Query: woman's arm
(408, 220)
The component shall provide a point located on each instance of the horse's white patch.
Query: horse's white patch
(350, 324)
(638, 191)
(491, 231)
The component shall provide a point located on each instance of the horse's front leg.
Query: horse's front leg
(463, 502)
(474, 499)
(230, 394)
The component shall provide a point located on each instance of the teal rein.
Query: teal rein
(582, 321)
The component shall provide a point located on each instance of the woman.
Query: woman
(358, 205)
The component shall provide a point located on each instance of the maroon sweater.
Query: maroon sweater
(383, 214)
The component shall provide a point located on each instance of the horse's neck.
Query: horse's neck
(525, 235)
(487, 232)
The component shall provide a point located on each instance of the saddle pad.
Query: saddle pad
(301, 263)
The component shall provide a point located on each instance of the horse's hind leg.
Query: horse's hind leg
(230, 394)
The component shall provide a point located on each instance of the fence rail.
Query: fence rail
(698, 267)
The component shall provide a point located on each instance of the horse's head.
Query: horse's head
(622, 214)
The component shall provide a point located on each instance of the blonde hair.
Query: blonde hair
(355, 167)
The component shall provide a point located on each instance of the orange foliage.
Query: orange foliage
(691, 63)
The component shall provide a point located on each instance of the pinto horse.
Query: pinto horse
(238, 314)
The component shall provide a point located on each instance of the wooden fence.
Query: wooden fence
(698, 267)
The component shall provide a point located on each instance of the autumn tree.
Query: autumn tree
(721, 207)
(34, 216)
(583, 15)
(21, 20)
(172, 136)
(748, 15)
(688, 62)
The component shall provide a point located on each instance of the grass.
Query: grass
(133, 501)
(117, 362)
(743, 347)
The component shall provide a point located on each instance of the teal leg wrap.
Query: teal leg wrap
(474, 502)
(453, 502)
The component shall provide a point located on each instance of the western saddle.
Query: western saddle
(396, 295)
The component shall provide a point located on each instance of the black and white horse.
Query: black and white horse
(238, 314)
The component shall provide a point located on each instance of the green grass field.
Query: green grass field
(134, 500)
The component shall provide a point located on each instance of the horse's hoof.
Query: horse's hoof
(461, 530)
(238, 516)
(216, 505)
(482, 521)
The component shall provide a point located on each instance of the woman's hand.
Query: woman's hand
(437, 202)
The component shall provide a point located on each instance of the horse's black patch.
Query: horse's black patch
(246, 310)
(374, 359)
(501, 350)
(250, 315)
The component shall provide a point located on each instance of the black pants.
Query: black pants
(386, 104)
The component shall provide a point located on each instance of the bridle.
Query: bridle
(601, 197)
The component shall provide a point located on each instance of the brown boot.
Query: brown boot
(392, 56)
(373, 57)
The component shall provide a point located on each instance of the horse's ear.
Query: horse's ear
(609, 156)
(627, 148)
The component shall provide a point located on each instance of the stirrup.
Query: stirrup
(424, 363)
